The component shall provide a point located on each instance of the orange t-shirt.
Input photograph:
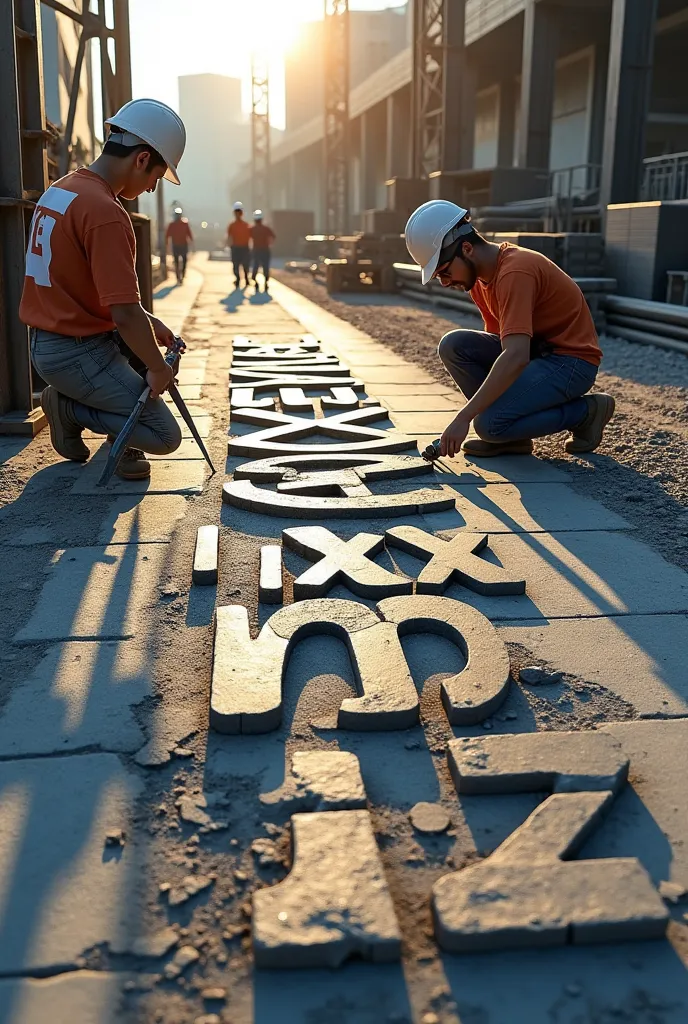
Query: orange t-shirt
(531, 295)
(239, 232)
(179, 231)
(81, 258)
(262, 236)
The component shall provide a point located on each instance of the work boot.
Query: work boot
(64, 436)
(133, 465)
(485, 449)
(588, 434)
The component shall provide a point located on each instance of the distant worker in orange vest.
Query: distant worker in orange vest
(238, 238)
(179, 232)
(262, 238)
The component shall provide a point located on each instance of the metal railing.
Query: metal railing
(665, 177)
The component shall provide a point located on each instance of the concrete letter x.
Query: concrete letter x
(340, 561)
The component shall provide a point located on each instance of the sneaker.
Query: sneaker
(588, 435)
(65, 438)
(133, 465)
(476, 446)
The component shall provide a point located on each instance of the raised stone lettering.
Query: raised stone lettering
(283, 434)
(260, 380)
(334, 903)
(339, 561)
(454, 560)
(288, 368)
(307, 344)
(246, 688)
(480, 689)
(341, 398)
(336, 486)
(528, 892)
(320, 780)
(270, 587)
(257, 356)
(243, 398)
(295, 400)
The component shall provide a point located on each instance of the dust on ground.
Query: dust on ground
(641, 468)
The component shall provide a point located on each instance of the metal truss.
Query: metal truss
(260, 132)
(438, 37)
(336, 29)
(24, 163)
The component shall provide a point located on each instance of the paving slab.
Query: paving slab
(403, 373)
(80, 997)
(532, 507)
(131, 520)
(320, 780)
(168, 476)
(426, 404)
(64, 892)
(640, 658)
(334, 903)
(97, 593)
(518, 469)
(419, 422)
(202, 420)
(593, 573)
(79, 696)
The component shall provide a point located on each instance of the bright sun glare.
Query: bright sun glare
(273, 26)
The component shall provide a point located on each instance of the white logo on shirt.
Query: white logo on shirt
(39, 253)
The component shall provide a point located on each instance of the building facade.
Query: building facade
(591, 89)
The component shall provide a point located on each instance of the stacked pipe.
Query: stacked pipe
(409, 284)
(649, 323)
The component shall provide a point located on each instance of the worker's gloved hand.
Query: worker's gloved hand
(159, 380)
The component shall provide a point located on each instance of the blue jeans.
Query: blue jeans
(102, 389)
(545, 398)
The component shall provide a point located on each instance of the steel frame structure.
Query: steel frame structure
(336, 138)
(24, 164)
(438, 73)
(260, 132)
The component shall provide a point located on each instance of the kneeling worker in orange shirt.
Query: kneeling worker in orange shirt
(528, 373)
(81, 296)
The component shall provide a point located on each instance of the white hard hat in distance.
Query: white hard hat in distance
(426, 229)
(257, 214)
(238, 206)
(158, 125)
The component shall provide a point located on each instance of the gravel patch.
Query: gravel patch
(641, 468)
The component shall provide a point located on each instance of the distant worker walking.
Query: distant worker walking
(262, 238)
(528, 372)
(179, 233)
(238, 239)
(91, 340)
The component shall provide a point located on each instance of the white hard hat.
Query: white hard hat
(238, 206)
(257, 214)
(426, 230)
(178, 209)
(157, 124)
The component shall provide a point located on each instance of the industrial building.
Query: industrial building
(594, 92)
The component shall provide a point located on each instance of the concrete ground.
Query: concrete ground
(128, 829)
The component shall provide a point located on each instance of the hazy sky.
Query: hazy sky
(187, 37)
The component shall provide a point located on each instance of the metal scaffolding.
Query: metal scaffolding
(24, 165)
(438, 72)
(260, 132)
(336, 62)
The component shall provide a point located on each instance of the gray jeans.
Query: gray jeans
(102, 389)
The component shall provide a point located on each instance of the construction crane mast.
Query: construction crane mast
(260, 131)
(439, 72)
(336, 28)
